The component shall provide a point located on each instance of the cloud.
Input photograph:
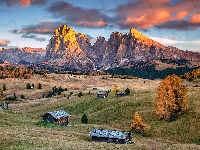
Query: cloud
(44, 28)
(195, 19)
(178, 25)
(166, 41)
(41, 28)
(143, 14)
(77, 16)
(4, 42)
(23, 3)
(29, 36)
(182, 14)
(92, 24)
(41, 39)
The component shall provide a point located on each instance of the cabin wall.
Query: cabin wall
(62, 121)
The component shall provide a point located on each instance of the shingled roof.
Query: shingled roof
(108, 133)
(59, 114)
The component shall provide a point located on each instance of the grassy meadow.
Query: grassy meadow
(22, 127)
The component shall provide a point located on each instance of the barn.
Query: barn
(110, 136)
(58, 117)
(102, 94)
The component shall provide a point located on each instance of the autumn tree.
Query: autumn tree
(137, 125)
(115, 88)
(171, 98)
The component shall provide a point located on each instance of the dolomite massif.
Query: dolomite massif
(74, 50)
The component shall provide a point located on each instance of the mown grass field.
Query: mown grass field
(22, 127)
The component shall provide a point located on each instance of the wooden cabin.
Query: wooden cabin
(58, 117)
(102, 94)
(110, 136)
(120, 93)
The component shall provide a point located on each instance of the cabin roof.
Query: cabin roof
(108, 133)
(59, 114)
(101, 92)
(120, 93)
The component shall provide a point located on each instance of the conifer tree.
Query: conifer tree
(137, 125)
(171, 98)
(84, 119)
(127, 91)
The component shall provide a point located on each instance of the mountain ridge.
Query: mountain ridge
(74, 50)
(119, 50)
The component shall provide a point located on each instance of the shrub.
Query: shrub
(28, 86)
(84, 119)
(4, 87)
(39, 86)
(14, 97)
(127, 91)
(80, 94)
(22, 97)
(171, 98)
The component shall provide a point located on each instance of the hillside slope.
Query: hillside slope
(22, 126)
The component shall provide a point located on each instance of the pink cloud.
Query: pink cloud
(195, 19)
(182, 14)
(24, 3)
(92, 24)
(147, 21)
(146, 14)
(4, 43)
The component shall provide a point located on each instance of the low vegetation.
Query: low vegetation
(22, 126)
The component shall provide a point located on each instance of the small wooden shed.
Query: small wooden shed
(102, 94)
(120, 93)
(110, 136)
(59, 117)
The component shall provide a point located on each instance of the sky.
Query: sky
(31, 23)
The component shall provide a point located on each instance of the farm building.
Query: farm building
(120, 93)
(110, 136)
(59, 117)
(102, 94)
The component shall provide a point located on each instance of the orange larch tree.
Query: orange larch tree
(137, 125)
(171, 98)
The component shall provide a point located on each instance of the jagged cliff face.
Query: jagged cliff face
(74, 50)
(66, 47)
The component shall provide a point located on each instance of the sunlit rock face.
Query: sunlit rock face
(74, 50)
(66, 47)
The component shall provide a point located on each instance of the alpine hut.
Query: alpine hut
(110, 136)
(102, 94)
(58, 117)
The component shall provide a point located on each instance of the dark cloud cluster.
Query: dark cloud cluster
(78, 16)
(42, 28)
